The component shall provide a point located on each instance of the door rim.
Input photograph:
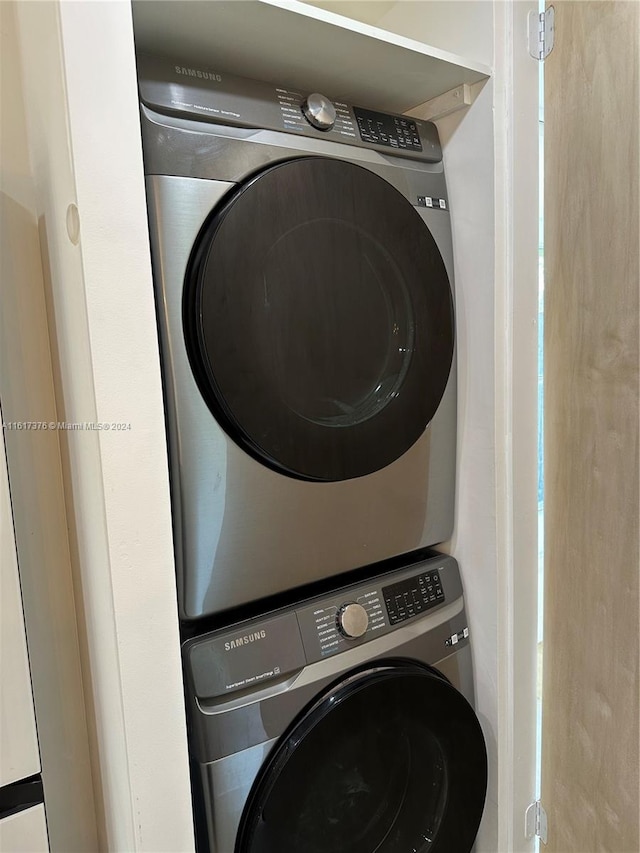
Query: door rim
(331, 697)
(428, 375)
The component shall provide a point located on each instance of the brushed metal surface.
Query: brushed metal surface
(240, 102)
(195, 149)
(227, 775)
(219, 730)
(256, 659)
(243, 531)
(226, 784)
(254, 712)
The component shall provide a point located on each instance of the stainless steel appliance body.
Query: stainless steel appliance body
(343, 722)
(304, 282)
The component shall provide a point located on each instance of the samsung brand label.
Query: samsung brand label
(195, 72)
(255, 637)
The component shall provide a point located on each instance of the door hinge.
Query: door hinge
(535, 822)
(541, 33)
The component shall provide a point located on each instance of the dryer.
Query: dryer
(303, 269)
(343, 722)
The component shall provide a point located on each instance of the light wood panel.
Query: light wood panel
(590, 692)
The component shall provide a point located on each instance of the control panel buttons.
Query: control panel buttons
(391, 131)
(411, 597)
(353, 620)
(319, 111)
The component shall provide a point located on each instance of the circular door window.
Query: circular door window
(319, 319)
(390, 760)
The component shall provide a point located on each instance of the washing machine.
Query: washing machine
(302, 258)
(341, 723)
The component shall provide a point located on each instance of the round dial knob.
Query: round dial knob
(352, 620)
(319, 111)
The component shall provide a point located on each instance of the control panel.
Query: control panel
(251, 654)
(332, 627)
(409, 597)
(177, 87)
(392, 131)
(360, 614)
(299, 112)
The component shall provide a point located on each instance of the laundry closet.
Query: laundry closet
(385, 71)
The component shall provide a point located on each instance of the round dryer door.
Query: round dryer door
(390, 760)
(319, 319)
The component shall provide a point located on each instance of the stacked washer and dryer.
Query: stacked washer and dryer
(304, 279)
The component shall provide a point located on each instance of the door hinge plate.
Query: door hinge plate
(535, 821)
(541, 33)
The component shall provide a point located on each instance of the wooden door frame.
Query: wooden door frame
(591, 748)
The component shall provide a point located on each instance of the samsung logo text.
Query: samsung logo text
(194, 72)
(243, 641)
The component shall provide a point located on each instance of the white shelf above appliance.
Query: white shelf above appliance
(291, 43)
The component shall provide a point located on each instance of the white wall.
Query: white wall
(464, 27)
(468, 147)
(84, 145)
(35, 474)
(516, 348)
(491, 159)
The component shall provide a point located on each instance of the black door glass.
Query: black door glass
(319, 319)
(390, 761)
(358, 339)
